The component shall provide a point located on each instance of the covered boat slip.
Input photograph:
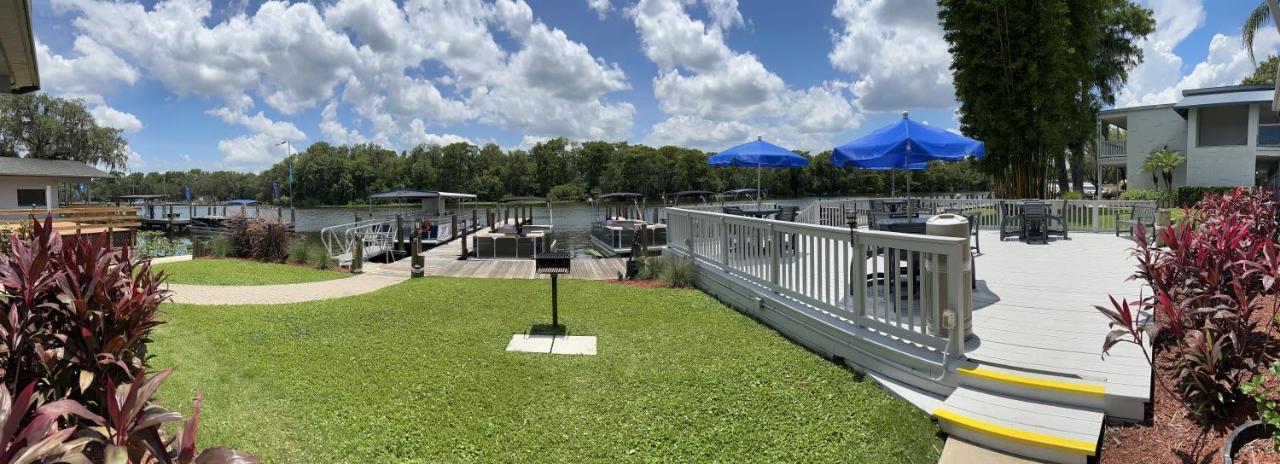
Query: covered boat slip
(620, 225)
(514, 231)
(1030, 380)
(441, 218)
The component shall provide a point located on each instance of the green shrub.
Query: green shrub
(221, 246)
(1073, 195)
(299, 252)
(319, 257)
(1262, 388)
(676, 272)
(1189, 195)
(566, 192)
(154, 244)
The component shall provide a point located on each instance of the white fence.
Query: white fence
(1080, 215)
(884, 282)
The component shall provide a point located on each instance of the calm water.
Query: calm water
(572, 221)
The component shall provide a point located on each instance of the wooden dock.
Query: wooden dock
(443, 260)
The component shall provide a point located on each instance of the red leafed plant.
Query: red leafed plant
(1206, 283)
(41, 439)
(77, 319)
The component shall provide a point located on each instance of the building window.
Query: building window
(1268, 127)
(28, 198)
(1223, 126)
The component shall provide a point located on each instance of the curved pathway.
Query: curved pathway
(373, 279)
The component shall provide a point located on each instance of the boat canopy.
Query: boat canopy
(524, 200)
(142, 197)
(405, 194)
(744, 191)
(240, 203)
(690, 193)
(624, 195)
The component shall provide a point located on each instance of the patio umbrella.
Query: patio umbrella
(906, 145)
(758, 154)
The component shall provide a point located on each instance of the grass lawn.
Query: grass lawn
(241, 272)
(417, 372)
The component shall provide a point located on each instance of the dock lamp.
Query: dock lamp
(553, 263)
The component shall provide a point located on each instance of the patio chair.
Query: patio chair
(1060, 219)
(1035, 221)
(1010, 221)
(1140, 214)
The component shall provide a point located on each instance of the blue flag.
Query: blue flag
(290, 170)
(186, 190)
(276, 188)
(82, 187)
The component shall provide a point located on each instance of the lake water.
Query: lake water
(572, 220)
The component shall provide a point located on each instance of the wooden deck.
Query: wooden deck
(443, 260)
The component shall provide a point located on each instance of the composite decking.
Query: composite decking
(442, 260)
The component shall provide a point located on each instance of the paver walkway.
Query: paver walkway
(373, 279)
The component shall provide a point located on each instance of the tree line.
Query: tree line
(326, 174)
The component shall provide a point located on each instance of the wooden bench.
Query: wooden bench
(1140, 214)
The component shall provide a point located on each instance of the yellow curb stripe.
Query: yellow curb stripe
(1020, 436)
(1033, 382)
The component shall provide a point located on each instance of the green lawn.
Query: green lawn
(417, 372)
(241, 272)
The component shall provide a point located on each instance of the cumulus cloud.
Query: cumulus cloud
(1160, 77)
(258, 149)
(896, 50)
(394, 70)
(94, 71)
(601, 7)
(715, 96)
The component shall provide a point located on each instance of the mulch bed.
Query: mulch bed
(1174, 433)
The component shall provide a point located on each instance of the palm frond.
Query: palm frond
(1257, 19)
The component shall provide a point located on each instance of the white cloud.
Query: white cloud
(95, 70)
(111, 117)
(601, 7)
(896, 50)
(717, 97)
(259, 149)
(1160, 77)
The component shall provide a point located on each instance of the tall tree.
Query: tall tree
(1031, 76)
(1265, 73)
(36, 125)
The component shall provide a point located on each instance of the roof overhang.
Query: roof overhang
(18, 47)
(1224, 96)
(405, 194)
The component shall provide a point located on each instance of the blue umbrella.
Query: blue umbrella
(906, 145)
(758, 154)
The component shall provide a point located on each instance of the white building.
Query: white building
(1229, 135)
(34, 183)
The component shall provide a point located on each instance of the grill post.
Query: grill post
(553, 263)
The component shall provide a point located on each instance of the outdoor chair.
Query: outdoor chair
(1035, 218)
(1140, 214)
(1060, 219)
(1010, 221)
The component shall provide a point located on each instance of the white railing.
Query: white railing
(1112, 150)
(1079, 215)
(883, 281)
(373, 236)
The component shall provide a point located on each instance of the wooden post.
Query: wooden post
(418, 269)
(396, 236)
(357, 254)
(475, 221)
(465, 253)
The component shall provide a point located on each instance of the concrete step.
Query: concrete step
(1022, 427)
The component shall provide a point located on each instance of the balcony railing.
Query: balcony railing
(1269, 135)
(1111, 150)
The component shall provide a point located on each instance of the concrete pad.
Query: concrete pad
(526, 343)
(574, 344)
(957, 451)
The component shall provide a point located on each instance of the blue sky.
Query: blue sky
(216, 85)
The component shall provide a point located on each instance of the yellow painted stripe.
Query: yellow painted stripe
(1033, 382)
(1020, 436)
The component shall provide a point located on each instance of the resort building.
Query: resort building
(1230, 136)
(34, 183)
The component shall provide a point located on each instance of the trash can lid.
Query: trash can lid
(949, 225)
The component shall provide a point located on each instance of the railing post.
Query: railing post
(724, 242)
(957, 287)
(1096, 214)
(775, 242)
(857, 278)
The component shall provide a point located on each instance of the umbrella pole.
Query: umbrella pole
(757, 186)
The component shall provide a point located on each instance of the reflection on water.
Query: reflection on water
(572, 220)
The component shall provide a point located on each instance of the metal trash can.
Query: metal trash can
(950, 225)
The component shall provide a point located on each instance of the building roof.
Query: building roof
(10, 166)
(18, 70)
(1224, 96)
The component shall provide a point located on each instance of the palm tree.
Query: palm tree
(1161, 164)
(1257, 19)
